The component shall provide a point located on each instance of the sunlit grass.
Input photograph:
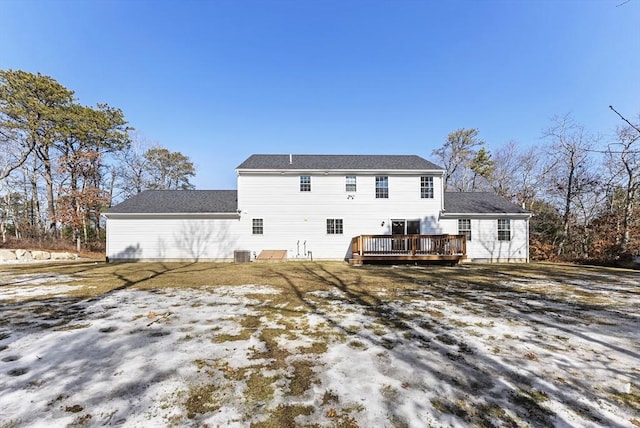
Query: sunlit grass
(363, 284)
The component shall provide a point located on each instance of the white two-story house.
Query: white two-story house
(313, 206)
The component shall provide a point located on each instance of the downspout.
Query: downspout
(442, 192)
(106, 246)
(528, 218)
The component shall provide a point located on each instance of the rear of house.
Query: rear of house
(311, 206)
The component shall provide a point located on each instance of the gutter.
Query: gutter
(444, 214)
(233, 215)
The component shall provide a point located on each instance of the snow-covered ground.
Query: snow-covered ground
(522, 352)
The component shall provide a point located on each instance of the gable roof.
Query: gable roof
(341, 162)
(178, 201)
(479, 203)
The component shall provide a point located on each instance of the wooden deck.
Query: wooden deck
(408, 248)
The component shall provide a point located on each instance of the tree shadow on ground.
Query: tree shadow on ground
(472, 385)
(476, 387)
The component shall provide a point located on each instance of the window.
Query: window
(257, 226)
(334, 226)
(305, 183)
(504, 229)
(350, 183)
(464, 227)
(426, 187)
(382, 187)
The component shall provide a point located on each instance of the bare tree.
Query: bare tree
(516, 174)
(568, 171)
(623, 162)
(131, 174)
(589, 205)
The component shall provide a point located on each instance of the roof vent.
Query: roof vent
(290, 159)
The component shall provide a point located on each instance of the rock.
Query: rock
(63, 256)
(7, 255)
(23, 254)
(40, 255)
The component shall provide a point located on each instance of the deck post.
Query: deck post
(464, 245)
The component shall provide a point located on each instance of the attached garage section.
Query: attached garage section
(182, 225)
(171, 239)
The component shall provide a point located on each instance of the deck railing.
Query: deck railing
(409, 245)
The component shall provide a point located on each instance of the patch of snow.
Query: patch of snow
(26, 291)
(130, 357)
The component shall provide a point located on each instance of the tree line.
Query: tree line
(63, 163)
(582, 189)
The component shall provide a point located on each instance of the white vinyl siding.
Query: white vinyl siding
(485, 245)
(295, 218)
(174, 239)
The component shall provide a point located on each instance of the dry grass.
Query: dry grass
(279, 370)
(293, 279)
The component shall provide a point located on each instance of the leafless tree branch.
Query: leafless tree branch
(624, 118)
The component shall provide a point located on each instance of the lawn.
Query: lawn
(318, 344)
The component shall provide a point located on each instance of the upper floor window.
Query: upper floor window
(305, 183)
(382, 187)
(504, 229)
(464, 227)
(257, 226)
(350, 183)
(426, 187)
(334, 226)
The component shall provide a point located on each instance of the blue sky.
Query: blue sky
(220, 80)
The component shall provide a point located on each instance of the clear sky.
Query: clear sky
(220, 80)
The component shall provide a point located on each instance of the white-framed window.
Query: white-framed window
(464, 227)
(257, 226)
(426, 187)
(305, 183)
(382, 187)
(504, 229)
(350, 183)
(334, 226)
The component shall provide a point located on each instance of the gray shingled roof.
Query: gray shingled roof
(479, 203)
(179, 201)
(343, 162)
